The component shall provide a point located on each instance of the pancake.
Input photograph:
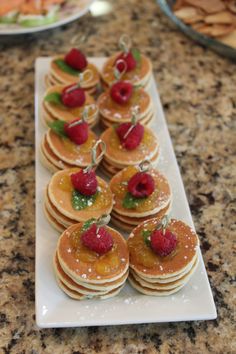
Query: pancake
(86, 266)
(82, 288)
(67, 153)
(118, 156)
(60, 192)
(148, 264)
(158, 200)
(137, 76)
(59, 227)
(117, 113)
(66, 78)
(68, 114)
(146, 120)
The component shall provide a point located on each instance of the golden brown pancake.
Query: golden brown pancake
(145, 262)
(151, 205)
(137, 76)
(60, 193)
(68, 114)
(146, 120)
(84, 265)
(70, 153)
(117, 113)
(66, 78)
(119, 156)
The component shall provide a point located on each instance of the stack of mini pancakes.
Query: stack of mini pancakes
(156, 275)
(116, 157)
(113, 113)
(82, 273)
(57, 76)
(58, 201)
(157, 204)
(52, 111)
(58, 153)
(141, 75)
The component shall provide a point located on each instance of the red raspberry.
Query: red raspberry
(128, 58)
(78, 133)
(85, 182)
(76, 59)
(132, 139)
(74, 98)
(121, 92)
(163, 244)
(141, 185)
(97, 239)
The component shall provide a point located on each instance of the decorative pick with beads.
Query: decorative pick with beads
(131, 134)
(85, 181)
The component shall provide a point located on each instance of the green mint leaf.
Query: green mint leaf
(130, 202)
(66, 68)
(58, 127)
(87, 224)
(80, 201)
(136, 54)
(53, 97)
(146, 236)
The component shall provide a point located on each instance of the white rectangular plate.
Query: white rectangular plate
(55, 309)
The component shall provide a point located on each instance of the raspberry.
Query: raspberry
(163, 244)
(129, 60)
(121, 92)
(78, 133)
(97, 239)
(130, 140)
(74, 97)
(85, 182)
(76, 59)
(141, 185)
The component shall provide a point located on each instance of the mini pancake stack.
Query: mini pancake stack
(59, 152)
(60, 74)
(82, 273)
(129, 212)
(114, 113)
(141, 75)
(53, 111)
(118, 157)
(61, 201)
(152, 274)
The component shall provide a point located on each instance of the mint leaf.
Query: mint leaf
(80, 201)
(146, 236)
(131, 202)
(65, 67)
(136, 54)
(53, 97)
(58, 127)
(87, 224)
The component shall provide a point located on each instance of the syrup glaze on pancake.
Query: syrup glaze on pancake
(146, 262)
(115, 112)
(69, 152)
(158, 200)
(67, 78)
(137, 76)
(66, 113)
(115, 152)
(60, 190)
(85, 265)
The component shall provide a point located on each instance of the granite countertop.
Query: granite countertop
(197, 88)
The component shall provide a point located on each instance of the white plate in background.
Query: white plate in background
(70, 12)
(56, 309)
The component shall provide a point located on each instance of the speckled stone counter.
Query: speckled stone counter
(197, 89)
